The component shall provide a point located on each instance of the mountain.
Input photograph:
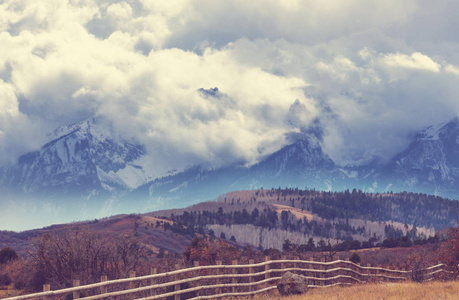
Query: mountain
(430, 163)
(302, 163)
(299, 164)
(88, 167)
(80, 173)
(80, 158)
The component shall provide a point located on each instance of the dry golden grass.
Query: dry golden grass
(6, 291)
(298, 213)
(387, 291)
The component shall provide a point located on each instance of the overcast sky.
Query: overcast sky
(371, 72)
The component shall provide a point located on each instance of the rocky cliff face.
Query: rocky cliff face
(79, 158)
(430, 163)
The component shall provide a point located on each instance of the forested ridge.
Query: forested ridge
(265, 218)
(410, 208)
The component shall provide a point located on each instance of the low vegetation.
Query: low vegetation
(388, 291)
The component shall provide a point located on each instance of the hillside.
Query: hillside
(266, 218)
(240, 225)
(142, 227)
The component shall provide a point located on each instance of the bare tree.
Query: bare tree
(80, 253)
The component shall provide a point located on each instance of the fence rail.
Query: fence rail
(216, 281)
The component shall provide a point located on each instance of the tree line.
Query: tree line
(412, 208)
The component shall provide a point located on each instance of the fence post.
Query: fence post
(131, 285)
(233, 289)
(76, 294)
(308, 266)
(267, 258)
(103, 289)
(152, 281)
(251, 262)
(295, 264)
(349, 273)
(219, 263)
(369, 272)
(283, 257)
(322, 268)
(196, 264)
(177, 286)
(360, 271)
(441, 274)
(312, 273)
(46, 288)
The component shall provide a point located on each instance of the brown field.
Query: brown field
(298, 213)
(396, 291)
(383, 291)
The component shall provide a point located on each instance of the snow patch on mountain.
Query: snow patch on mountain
(439, 131)
(141, 171)
(431, 133)
(95, 127)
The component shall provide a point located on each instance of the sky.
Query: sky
(369, 72)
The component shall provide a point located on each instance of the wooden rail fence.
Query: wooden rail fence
(216, 281)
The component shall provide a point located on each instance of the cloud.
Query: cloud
(17, 134)
(370, 71)
(452, 69)
(169, 109)
(303, 21)
(417, 61)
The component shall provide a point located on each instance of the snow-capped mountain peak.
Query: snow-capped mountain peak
(434, 132)
(95, 127)
(83, 156)
(431, 162)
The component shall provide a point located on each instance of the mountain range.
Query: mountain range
(430, 164)
(86, 167)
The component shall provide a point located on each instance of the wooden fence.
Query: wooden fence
(216, 281)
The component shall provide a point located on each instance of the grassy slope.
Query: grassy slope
(146, 230)
(387, 291)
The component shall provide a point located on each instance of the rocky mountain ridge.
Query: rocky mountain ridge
(429, 165)
(87, 161)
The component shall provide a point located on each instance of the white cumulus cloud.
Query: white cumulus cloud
(370, 71)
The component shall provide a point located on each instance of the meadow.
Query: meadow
(383, 291)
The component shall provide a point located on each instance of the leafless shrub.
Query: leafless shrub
(80, 253)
